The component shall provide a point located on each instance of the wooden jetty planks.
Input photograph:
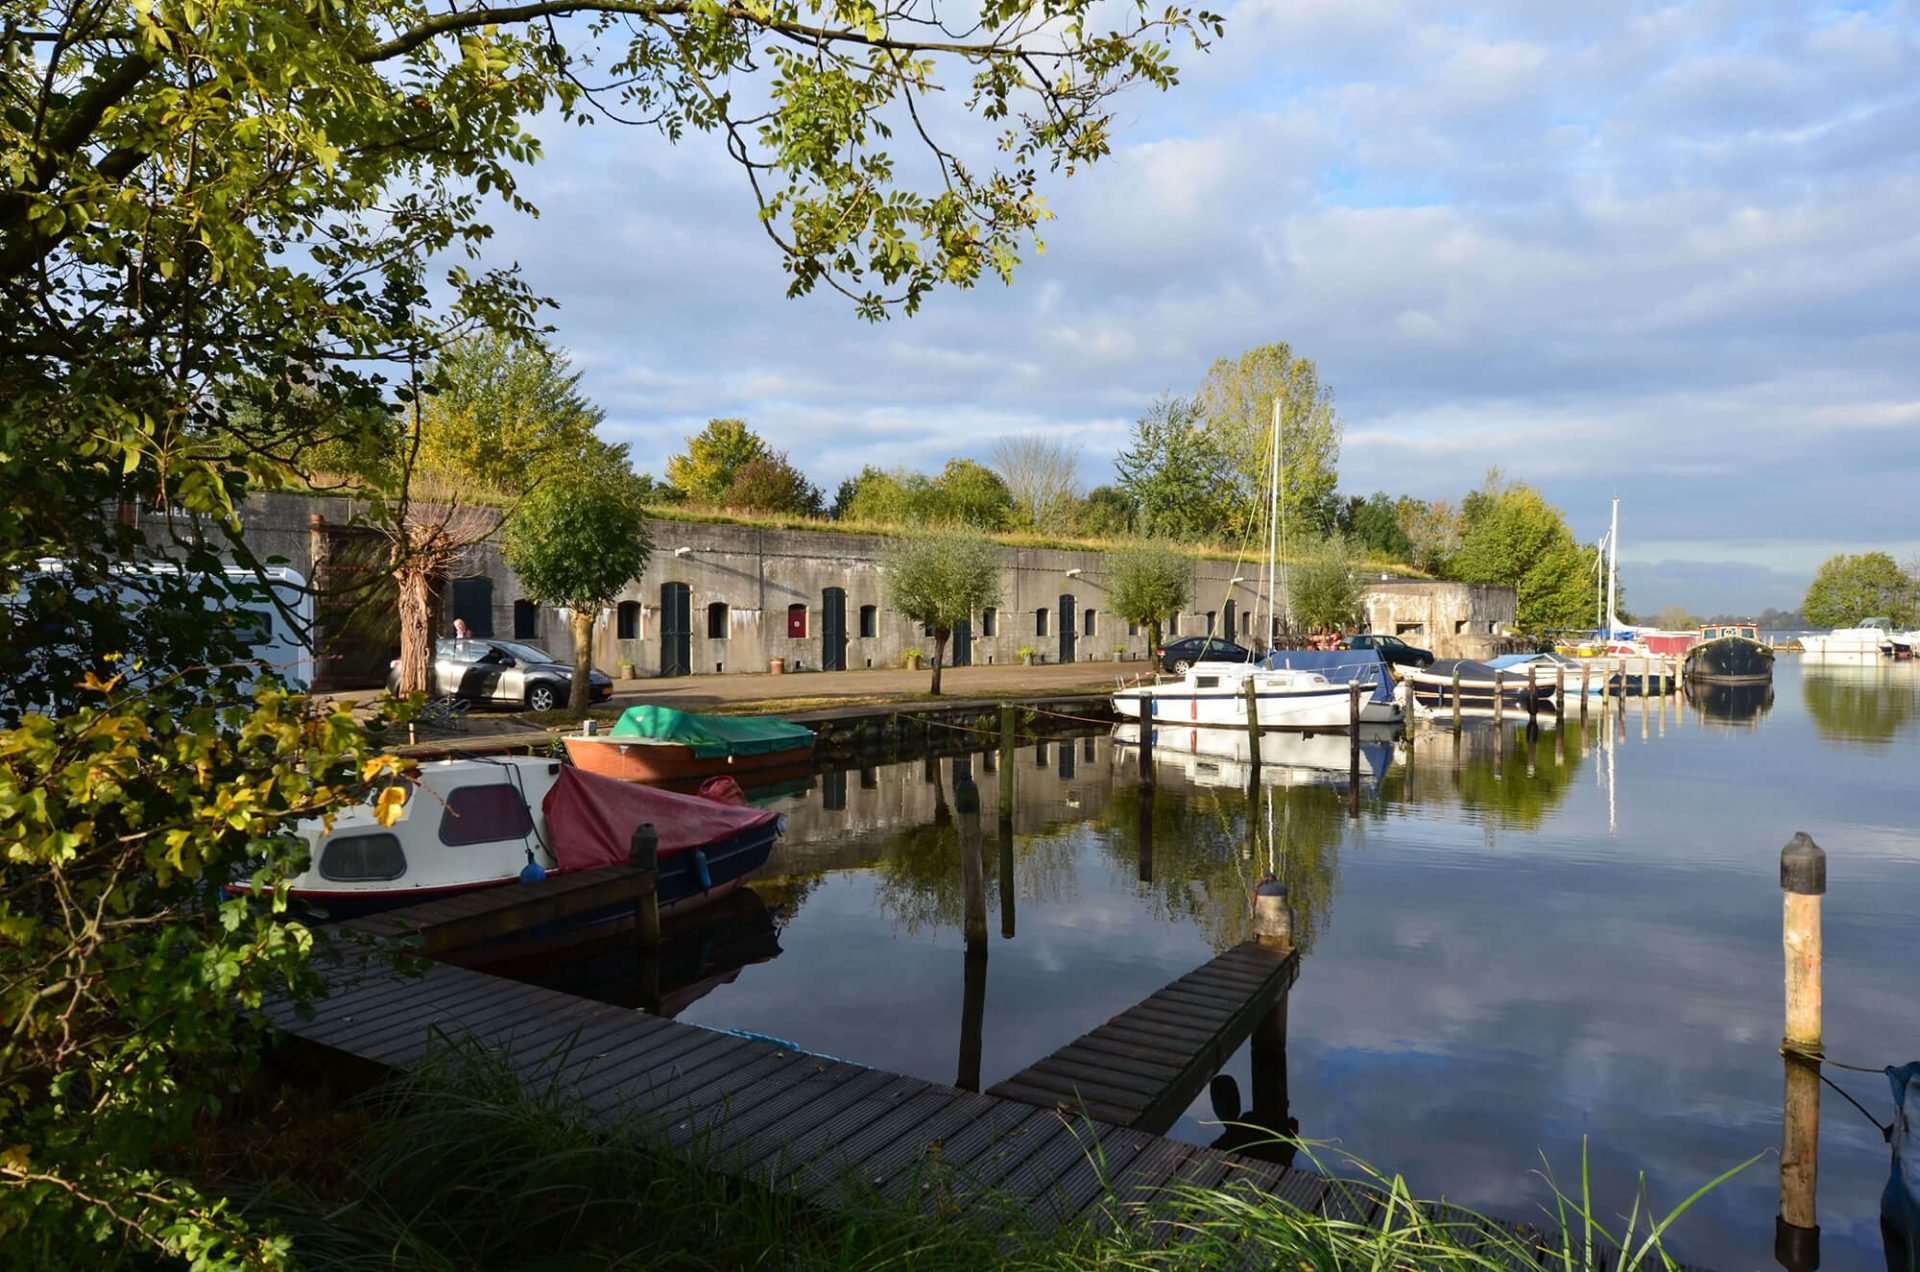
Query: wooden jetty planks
(1144, 1067)
(491, 913)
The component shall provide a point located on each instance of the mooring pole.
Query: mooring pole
(1006, 820)
(1456, 700)
(1803, 880)
(1533, 700)
(1353, 747)
(1253, 727)
(643, 853)
(1272, 915)
(1585, 671)
(973, 875)
(1559, 693)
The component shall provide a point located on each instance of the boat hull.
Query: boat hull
(1730, 660)
(1476, 688)
(630, 760)
(1322, 708)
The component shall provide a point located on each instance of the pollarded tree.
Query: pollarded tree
(1322, 593)
(941, 579)
(576, 543)
(1847, 589)
(1148, 582)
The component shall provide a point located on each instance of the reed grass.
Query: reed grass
(459, 1165)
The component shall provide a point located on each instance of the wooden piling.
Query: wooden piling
(1253, 726)
(1499, 701)
(1803, 880)
(1533, 699)
(1353, 748)
(1585, 685)
(1006, 819)
(1559, 692)
(643, 851)
(1456, 699)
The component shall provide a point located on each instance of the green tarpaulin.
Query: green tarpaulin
(712, 737)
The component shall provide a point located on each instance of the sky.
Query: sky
(1667, 252)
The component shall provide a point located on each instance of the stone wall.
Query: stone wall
(755, 593)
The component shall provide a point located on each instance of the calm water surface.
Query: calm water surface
(1511, 948)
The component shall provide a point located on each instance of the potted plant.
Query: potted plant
(626, 669)
(1119, 652)
(913, 657)
(1027, 654)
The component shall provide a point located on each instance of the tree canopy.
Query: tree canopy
(1042, 476)
(1512, 535)
(941, 578)
(770, 483)
(714, 457)
(1177, 476)
(1322, 594)
(576, 542)
(1148, 582)
(1237, 403)
(964, 494)
(1847, 589)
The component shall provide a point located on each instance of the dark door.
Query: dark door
(1228, 630)
(962, 644)
(1066, 628)
(833, 629)
(676, 629)
(473, 601)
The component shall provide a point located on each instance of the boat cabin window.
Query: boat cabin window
(1206, 682)
(360, 858)
(484, 814)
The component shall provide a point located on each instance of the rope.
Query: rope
(1794, 1051)
(1064, 716)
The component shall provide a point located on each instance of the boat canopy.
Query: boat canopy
(1881, 623)
(712, 737)
(591, 819)
(1339, 666)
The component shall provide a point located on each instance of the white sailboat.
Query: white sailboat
(1215, 693)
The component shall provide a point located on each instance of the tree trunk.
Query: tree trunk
(1153, 637)
(416, 628)
(939, 656)
(582, 663)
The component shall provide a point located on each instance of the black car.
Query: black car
(1392, 649)
(1176, 656)
(503, 673)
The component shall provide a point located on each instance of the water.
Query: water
(1509, 950)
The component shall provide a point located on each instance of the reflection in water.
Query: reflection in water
(1731, 704)
(1523, 941)
(1866, 701)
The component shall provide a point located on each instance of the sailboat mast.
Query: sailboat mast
(1273, 516)
(1613, 569)
(1278, 530)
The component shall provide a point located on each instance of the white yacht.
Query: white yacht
(1216, 694)
(1873, 636)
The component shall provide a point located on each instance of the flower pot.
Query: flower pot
(1026, 660)
(776, 666)
(913, 662)
(626, 671)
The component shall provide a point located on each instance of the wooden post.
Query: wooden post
(973, 874)
(1585, 685)
(1267, 1056)
(1499, 702)
(1803, 879)
(1533, 691)
(1559, 692)
(1006, 820)
(1272, 916)
(643, 852)
(1353, 747)
(1644, 676)
(1253, 727)
(1456, 699)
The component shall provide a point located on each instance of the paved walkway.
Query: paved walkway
(695, 692)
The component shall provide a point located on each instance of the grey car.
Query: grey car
(503, 673)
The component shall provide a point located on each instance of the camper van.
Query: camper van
(273, 614)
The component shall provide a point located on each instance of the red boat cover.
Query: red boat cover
(591, 819)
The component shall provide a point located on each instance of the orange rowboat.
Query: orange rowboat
(659, 744)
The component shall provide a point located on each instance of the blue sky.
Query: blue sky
(1668, 252)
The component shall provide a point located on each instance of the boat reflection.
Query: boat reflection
(1220, 757)
(1730, 704)
(1860, 700)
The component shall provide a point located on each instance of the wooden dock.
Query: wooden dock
(1146, 1066)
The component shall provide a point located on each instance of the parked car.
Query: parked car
(503, 673)
(1392, 649)
(1177, 656)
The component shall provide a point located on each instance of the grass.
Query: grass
(459, 1166)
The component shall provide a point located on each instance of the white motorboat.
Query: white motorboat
(1215, 694)
(1219, 757)
(1872, 637)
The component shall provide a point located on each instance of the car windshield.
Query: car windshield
(1393, 642)
(523, 653)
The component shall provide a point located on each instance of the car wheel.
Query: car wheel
(1181, 666)
(542, 698)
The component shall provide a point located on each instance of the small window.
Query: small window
(526, 620)
(1211, 615)
(869, 620)
(717, 621)
(1173, 625)
(1206, 682)
(797, 621)
(989, 620)
(1087, 624)
(1246, 623)
(362, 858)
(1133, 629)
(484, 814)
(627, 620)
(1040, 622)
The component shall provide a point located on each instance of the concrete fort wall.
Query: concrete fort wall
(753, 593)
